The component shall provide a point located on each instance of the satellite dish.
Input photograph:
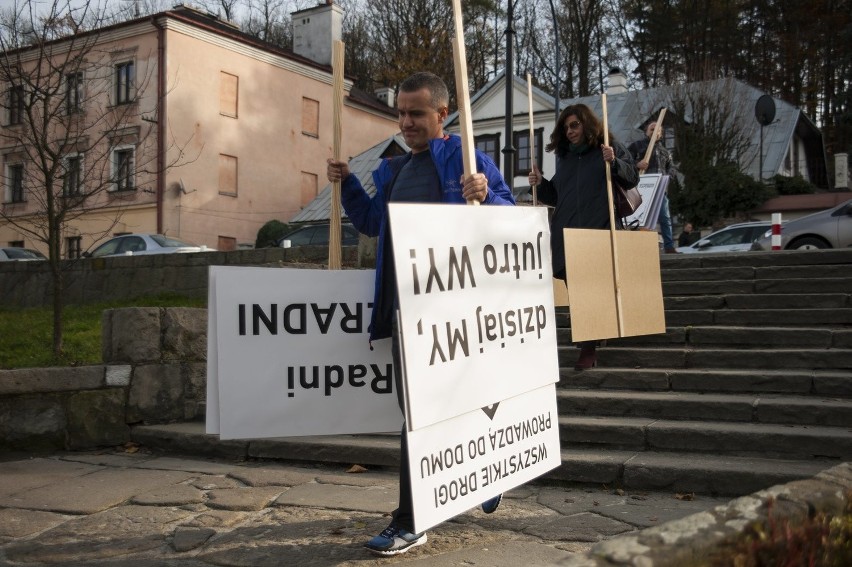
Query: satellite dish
(764, 110)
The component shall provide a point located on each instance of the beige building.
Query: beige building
(193, 129)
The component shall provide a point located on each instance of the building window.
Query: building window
(73, 176)
(123, 174)
(522, 151)
(310, 117)
(15, 183)
(73, 92)
(74, 247)
(228, 175)
(227, 243)
(489, 144)
(16, 104)
(16, 244)
(124, 76)
(229, 89)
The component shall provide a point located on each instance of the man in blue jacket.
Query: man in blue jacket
(431, 172)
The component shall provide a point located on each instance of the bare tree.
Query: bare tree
(79, 141)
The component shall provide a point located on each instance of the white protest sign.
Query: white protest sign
(476, 306)
(461, 462)
(652, 187)
(292, 355)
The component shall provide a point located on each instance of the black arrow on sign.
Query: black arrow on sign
(491, 410)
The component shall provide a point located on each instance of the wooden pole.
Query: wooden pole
(463, 95)
(616, 278)
(334, 251)
(534, 189)
(654, 136)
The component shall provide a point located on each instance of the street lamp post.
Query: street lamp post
(558, 68)
(509, 148)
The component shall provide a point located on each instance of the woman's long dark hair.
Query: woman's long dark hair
(592, 129)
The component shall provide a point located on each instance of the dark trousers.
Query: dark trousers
(403, 516)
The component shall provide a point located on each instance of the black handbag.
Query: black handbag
(626, 201)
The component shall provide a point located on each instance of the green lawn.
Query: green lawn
(26, 335)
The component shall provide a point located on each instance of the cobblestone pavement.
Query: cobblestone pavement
(131, 509)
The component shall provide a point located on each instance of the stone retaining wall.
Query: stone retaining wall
(91, 280)
(154, 371)
(706, 538)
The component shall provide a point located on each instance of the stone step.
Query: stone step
(824, 383)
(759, 301)
(680, 472)
(755, 273)
(751, 408)
(753, 358)
(763, 317)
(814, 337)
(776, 258)
(787, 286)
(720, 438)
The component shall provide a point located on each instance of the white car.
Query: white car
(143, 244)
(734, 238)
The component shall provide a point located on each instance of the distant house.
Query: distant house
(361, 166)
(792, 144)
(250, 124)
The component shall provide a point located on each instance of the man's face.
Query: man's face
(419, 122)
(649, 129)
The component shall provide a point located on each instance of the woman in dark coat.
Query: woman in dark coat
(577, 189)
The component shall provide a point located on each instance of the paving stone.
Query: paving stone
(273, 476)
(189, 465)
(176, 495)
(215, 519)
(368, 478)
(214, 481)
(377, 499)
(185, 538)
(19, 523)
(585, 526)
(242, 498)
(95, 537)
(94, 492)
(21, 476)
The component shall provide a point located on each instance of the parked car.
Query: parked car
(317, 235)
(139, 244)
(831, 228)
(13, 253)
(734, 238)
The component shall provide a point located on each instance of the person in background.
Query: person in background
(429, 173)
(659, 162)
(578, 188)
(685, 238)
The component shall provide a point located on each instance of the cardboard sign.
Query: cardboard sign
(289, 355)
(597, 311)
(459, 463)
(476, 306)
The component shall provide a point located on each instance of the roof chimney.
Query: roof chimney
(315, 31)
(385, 94)
(616, 82)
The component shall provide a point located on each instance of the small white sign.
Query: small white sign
(459, 463)
(476, 306)
(289, 355)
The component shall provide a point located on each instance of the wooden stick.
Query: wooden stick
(616, 277)
(532, 136)
(463, 95)
(654, 136)
(334, 251)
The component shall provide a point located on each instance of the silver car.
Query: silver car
(831, 228)
(12, 254)
(143, 244)
(734, 238)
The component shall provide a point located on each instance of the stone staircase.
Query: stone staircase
(750, 386)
